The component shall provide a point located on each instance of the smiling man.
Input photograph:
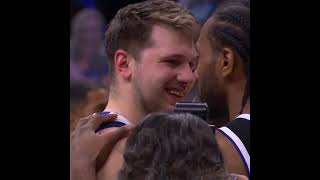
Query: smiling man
(152, 48)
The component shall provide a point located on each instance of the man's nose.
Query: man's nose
(186, 75)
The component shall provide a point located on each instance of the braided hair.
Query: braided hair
(231, 28)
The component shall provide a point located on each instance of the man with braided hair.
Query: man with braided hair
(224, 58)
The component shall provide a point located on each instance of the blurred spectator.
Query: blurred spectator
(86, 98)
(87, 57)
(83, 3)
(76, 5)
(201, 9)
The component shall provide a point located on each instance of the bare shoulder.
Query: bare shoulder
(110, 169)
(232, 159)
(119, 147)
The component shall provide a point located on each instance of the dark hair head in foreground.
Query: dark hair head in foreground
(172, 146)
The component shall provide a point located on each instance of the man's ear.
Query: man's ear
(227, 62)
(122, 60)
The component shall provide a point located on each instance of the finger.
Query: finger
(106, 130)
(83, 121)
(114, 134)
(110, 139)
(95, 122)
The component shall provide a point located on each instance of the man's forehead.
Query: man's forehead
(200, 40)
(163, 33)
(204, 34)
(195, 53)
(189, 54)
(205, 28)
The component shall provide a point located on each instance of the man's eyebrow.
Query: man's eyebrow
(180, 56)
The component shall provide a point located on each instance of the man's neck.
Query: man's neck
(235, 96)
(246, 109)
(125, 105)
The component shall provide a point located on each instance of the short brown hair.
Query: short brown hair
(131, 27)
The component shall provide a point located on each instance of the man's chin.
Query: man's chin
(166, 108)
(170, 108)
